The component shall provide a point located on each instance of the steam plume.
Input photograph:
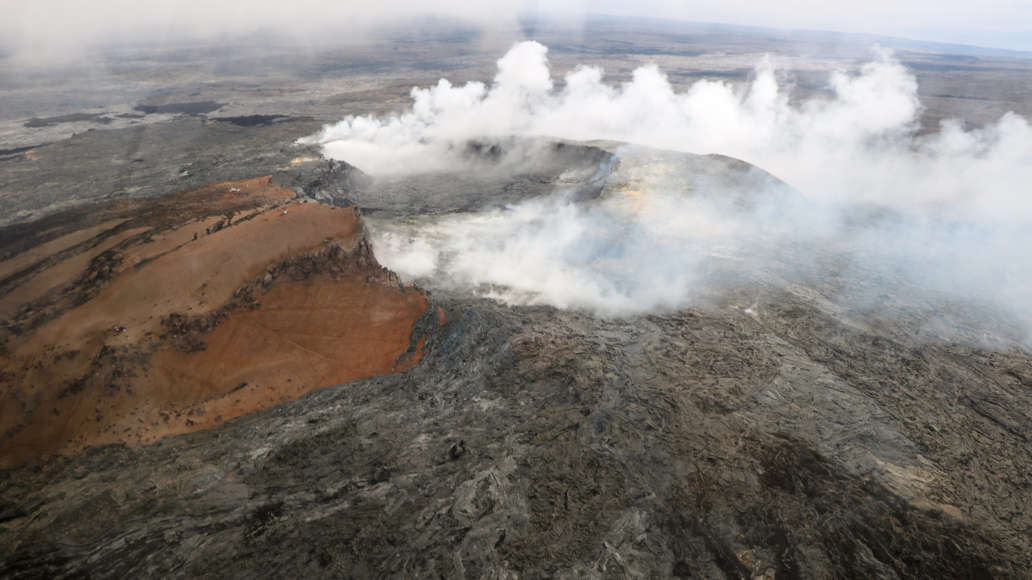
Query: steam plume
(959, 195)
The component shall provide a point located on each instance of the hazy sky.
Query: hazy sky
(55, 29)
(996, 23)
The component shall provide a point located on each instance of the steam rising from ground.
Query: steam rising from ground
(955, 209)
(554, 251)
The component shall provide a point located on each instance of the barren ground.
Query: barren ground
(265, 399)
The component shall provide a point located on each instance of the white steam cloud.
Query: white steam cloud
(961, 200)
(606, 257)
(858, 145)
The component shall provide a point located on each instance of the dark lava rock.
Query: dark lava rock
(539, 443)
(788, 440)
(325, 180)
(36, 122)
(251, 120)
(191, 108)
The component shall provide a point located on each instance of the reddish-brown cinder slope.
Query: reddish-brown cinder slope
(192, 310)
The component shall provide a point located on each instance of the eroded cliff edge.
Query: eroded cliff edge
(132, 320)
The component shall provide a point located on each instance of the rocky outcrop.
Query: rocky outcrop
(178, 314)
(325, 180)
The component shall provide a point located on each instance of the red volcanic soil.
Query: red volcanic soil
(127, 322)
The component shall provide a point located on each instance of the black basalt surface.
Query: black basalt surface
(538, 443)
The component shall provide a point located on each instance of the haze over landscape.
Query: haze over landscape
(41, 29)
(514, 290)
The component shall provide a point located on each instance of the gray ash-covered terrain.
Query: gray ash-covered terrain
(143, 161)
(803, 412)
